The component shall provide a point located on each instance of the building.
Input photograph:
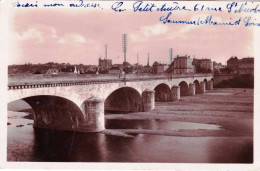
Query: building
(246, 66)
(138, 68)
(105, 63)
(147, 69)
(206, 64)
(182, 65)
(241, 66)
(202, 65)
(102, 71)
(114, 70)
(118, 65)
(170, 68)
(67, 69)
(81, 71)
(158, 68)
(52, 71)
(232, 63)
(217, 66)
(127, 65)
(91, 69)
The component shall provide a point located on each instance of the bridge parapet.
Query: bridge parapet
(27, 82)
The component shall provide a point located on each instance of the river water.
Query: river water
(28, 144)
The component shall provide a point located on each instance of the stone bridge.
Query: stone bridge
(78, 103)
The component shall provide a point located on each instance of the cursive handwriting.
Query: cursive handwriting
(117, 7)
(170, 7)
(25, 5)
(175, 7)
(78, 3)
(207, 21)
(81, 3)
(143, 7)
(248, 22)
(53, 5)
(199, 7)
(168, 20)
(244, 7)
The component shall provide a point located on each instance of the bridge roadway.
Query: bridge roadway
(78, 102)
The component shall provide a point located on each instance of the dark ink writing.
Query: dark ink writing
(117, 7)
(25, 5)
(175, 7)
(243, 7)
(206, 21)
(199, 7)
(143, 7)
(53, 5)
(248, 22)
(81, 3)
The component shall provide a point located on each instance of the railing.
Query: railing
(222, 74)
(38, 81)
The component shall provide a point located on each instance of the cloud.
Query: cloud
(72, 38)
(146, 32)
(31, 34)
(37, 34)
(157, 29)
(137, 38)
(41, 33)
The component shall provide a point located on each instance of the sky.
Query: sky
(79, 37)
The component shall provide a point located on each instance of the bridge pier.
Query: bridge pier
(192, 89)
(202, 87)
(176, 93)
(209, 85)
(148, 100)
(94, 120)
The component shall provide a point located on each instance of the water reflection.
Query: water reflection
(67, 146)
(28, 144)
(156, 124)
(94, 147)
(228, 150)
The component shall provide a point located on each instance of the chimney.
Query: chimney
(148, 59)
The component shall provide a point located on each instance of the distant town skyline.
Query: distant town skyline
(55, 35)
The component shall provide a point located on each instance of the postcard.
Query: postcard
(130, 85)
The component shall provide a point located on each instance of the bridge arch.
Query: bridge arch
(212, 79)
(163, 93)
(54, 112)
(197, 86)
(184, 88)
(123, 100)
